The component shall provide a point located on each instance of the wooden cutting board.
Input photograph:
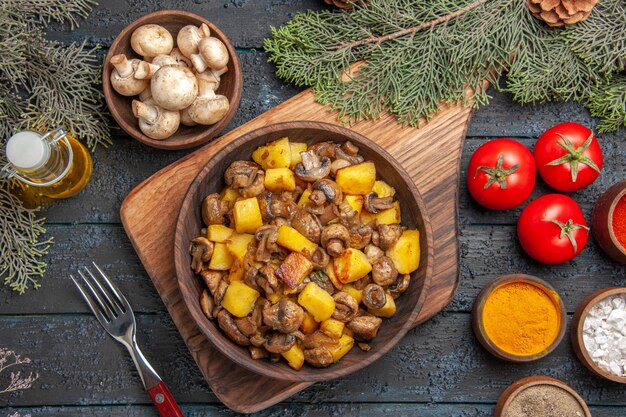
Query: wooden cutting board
(431, 155)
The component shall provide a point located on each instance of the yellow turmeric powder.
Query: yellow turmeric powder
(521, 318)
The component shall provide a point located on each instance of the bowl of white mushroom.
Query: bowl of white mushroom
(172, 80)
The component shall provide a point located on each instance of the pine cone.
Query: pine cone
(561, 12)
(344, 4)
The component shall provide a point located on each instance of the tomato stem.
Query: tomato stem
(567, 229)
(574, 155)
(498, 173)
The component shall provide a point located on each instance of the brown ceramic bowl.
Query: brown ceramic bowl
(210, 180)
(120, 106)
(577, 331)
(602, 222)
(520, 385)
(479, 329)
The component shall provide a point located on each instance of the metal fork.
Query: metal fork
(114, 313)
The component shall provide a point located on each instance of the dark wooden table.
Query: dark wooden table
(439, 369)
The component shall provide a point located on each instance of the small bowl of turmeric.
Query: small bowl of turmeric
(609, 222)
(519, 318)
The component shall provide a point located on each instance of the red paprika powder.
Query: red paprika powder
(619, 221)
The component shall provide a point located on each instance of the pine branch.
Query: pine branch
(43, 12)
(608, 101)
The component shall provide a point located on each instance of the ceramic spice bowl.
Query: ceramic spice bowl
(604, 219)
(578, 331)
(539, 396)
(505, 318)
(120, 106)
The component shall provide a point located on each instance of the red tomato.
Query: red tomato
(501, 174)
(568, 157)
(552, 229)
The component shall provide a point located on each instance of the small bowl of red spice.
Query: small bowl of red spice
(609, 222)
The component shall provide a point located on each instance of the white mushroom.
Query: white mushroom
(208, 108)
(212, 54)
(174, 87)
(145, 95)
(154, 121)
(189, 37)
(151, 40)
(122, 76)
(145, 70)
(180, 58)
(185, 118)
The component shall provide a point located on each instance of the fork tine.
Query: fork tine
(117, 309)
(90, 302)
(103, 307)
(123, 302)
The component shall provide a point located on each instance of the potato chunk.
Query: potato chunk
(405, 253)
(342, 348)
(357, 179)
(247, 215)
(275, 154)
(296, 148)
(332, 328)
(390, 216)
(330, 272)
(383, 189)
(294, 269)
(304, 198)
(221, 260)
(280, 179)
(355, 201)
(238, 243)
(388, 310)
(317, 301)
(239, 299)
(309, 325)
(219, 233)
(351, 266)
(356, 294)
(294, 357)
(295, 241)
(230, 195)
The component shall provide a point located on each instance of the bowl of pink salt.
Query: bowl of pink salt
(609, 222)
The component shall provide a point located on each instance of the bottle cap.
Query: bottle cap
(27, 150)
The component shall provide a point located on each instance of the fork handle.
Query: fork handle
(164, 402)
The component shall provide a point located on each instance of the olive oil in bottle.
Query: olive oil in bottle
(48, 167)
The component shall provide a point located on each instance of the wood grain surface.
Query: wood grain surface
(434, 147)
(437, 370)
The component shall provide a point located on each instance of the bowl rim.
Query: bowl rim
(320, 374)
(578, 322)
(517, 387)
(205, 133)
(478, 325)
(621, 193)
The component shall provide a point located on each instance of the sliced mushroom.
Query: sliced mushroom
(214, 209)
(211, 279)
(228, 326)
(201, 250)
(384, 271)
(268, 281)
(373, 253)
(335, 238)
(218, 297)
(318, 357)
(375, 204)
(307, 224)
(276, 342)
(401, 285)
(258, 352)
(364, 328)
(256, 187)
(320, 259)
(318, 339)
(387, 235)
(266, 236)
(284, 316)
(346, 307)
(374, 296)
(282, 205)
(362, 283)
(241, 174)
(265, 206)
(350, 148)
(337, 164)
(329, 214)
(349, 217)
(312, 167)
(360, 236)
(324, 149)
(206, 304)
(258, 340)
(326, 191)
(347, 152)
(246, 326)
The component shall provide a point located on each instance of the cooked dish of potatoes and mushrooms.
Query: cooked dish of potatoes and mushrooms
(303, 252)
